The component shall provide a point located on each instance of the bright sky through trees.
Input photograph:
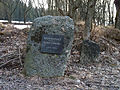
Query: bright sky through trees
(43, 3)
(113, 6)
(38, 3)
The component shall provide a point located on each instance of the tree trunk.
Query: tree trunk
(66, 5)
(52, 12)
(109, 13)
(117, 19)
(24, 18)
(112, 18)
(104, 7)
(49, 6)
(88, 20)
(9, 18)
(56, 10)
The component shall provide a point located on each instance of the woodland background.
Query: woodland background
(94, 20)
(28, 10)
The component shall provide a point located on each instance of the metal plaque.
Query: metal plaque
(52, 44)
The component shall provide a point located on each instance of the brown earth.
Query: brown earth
(104, 75)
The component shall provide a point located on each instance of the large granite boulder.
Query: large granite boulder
(89, 52)
(41, 58)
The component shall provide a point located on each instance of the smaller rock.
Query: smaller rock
(89, 52)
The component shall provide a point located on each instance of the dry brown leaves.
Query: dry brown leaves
(107, 37)
(77, 77)
(12, 45)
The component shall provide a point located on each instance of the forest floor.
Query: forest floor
(103, 75)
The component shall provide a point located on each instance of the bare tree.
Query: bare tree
(10, 7)
(89, 17)
(68, 7)
(26, 8)
(103, 12)
(49, 6)
(40, 7)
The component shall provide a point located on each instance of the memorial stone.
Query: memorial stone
(48, 46)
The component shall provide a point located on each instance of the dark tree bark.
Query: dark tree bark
(117, 19)
(104, 7)
(26, 10)
(109, 13)
(88, 20)
(49, 6)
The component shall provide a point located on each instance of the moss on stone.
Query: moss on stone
(29, 65)
(38, 35)
(46, 64)
(28, 48)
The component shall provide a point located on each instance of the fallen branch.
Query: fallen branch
(7, 55)
(108, 86)
(20, 56)
(114, 44)
(7, 62)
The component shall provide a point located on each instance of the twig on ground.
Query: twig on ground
(7, 62)
(20, 56)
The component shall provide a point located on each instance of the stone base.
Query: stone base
(89, 52)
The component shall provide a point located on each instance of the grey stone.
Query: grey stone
(46, 64)
(89, 52)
